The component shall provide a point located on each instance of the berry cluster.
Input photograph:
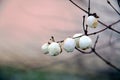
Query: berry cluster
(82, 41)
(79, 40)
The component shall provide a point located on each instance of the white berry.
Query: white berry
(44, 48)
(69, 45)
(85, 42)
(76, 37)
(54, 49)
(92, 22)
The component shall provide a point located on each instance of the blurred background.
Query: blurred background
(27, 24)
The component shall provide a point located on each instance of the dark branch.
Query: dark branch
(113, 7)
(102, 58)
(84, 23)
(89, 8)
(102, 23)
(109, 27)
(96, 42)
(78, 6)
(115, 22)
(107, 62)
(85, 29)
(98, 31)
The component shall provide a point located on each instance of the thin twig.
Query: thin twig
(84, 28)
(86, 33)
(109, 27)
(113, 7)
(89, 8)
(107, 62)
(114, 30)
(60, 41)
(78, 6)
(115, 23)
(96, 42)
(83, 52)
(102, 23)
(98, 31)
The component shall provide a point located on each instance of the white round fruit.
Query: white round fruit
(54, 49)
(92, 22)
(44, 48)
(76, 37)
(85, 42)
(69, 45)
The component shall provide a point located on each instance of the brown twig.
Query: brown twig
(113, 7)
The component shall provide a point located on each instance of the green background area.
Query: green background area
(10, 73)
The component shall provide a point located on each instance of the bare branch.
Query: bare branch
(78, 6)
(115, 22)
(102, 58)
(96, 42)
(84, 24)
(88, 7)
(106, 61)
(98, 31)
(113, 7)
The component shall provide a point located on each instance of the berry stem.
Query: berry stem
(52, 38)
(84, 28)
(83, 52)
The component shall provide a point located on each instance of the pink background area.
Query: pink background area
(27, 24)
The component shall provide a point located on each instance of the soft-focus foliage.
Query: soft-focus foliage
(9, 73)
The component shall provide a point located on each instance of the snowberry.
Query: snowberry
(54, 49)
(69, 44)
(44, 48)
(92, 22)
(76, 36)
(85, 42)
